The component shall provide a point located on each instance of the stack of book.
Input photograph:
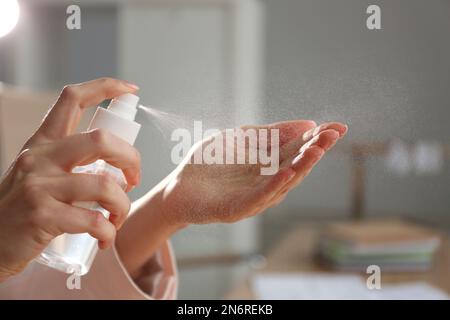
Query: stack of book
(392, 245)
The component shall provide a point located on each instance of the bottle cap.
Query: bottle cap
(118, 118)
(125, 106)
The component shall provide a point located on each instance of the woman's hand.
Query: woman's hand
(202, 193)
(208, 193)
(37, 192)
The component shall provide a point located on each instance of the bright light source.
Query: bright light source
(9, 15)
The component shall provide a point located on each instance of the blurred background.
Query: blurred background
(231, 62)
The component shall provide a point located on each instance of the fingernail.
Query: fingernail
(308, 134)
(131, 85)
(136, 180)
(297, 158)
(311, 133)
(311, 142)
(344, 132)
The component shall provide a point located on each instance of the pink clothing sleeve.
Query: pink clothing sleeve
(108, 279)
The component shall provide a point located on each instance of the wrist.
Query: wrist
(3, 276)
(169, 212)
(5, 273)
(148, 227)
(162, 209)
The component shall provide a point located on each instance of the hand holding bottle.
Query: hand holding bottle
(37, 191)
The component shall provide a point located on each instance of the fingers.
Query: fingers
(325, 140)
(302, 166)
(290, 134)
(291, 130)
(64, 116)
(300, 158)
(72, 220)
(337, 126)
(323, 135)
(273, 187)
(91, 187)
(305, 161)
(84, 148)
(279, 180)
(288, 130)
(310, 154)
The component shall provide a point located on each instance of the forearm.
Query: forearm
(3, 276)
(145, 230)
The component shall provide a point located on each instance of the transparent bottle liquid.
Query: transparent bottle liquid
(75, 253)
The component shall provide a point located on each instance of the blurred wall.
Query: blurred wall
(323, 63)
(41, 53)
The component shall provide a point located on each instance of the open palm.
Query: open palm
(207, 193)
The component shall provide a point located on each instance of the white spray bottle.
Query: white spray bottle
(74, 253)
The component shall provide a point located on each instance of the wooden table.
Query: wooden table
(295, 253)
